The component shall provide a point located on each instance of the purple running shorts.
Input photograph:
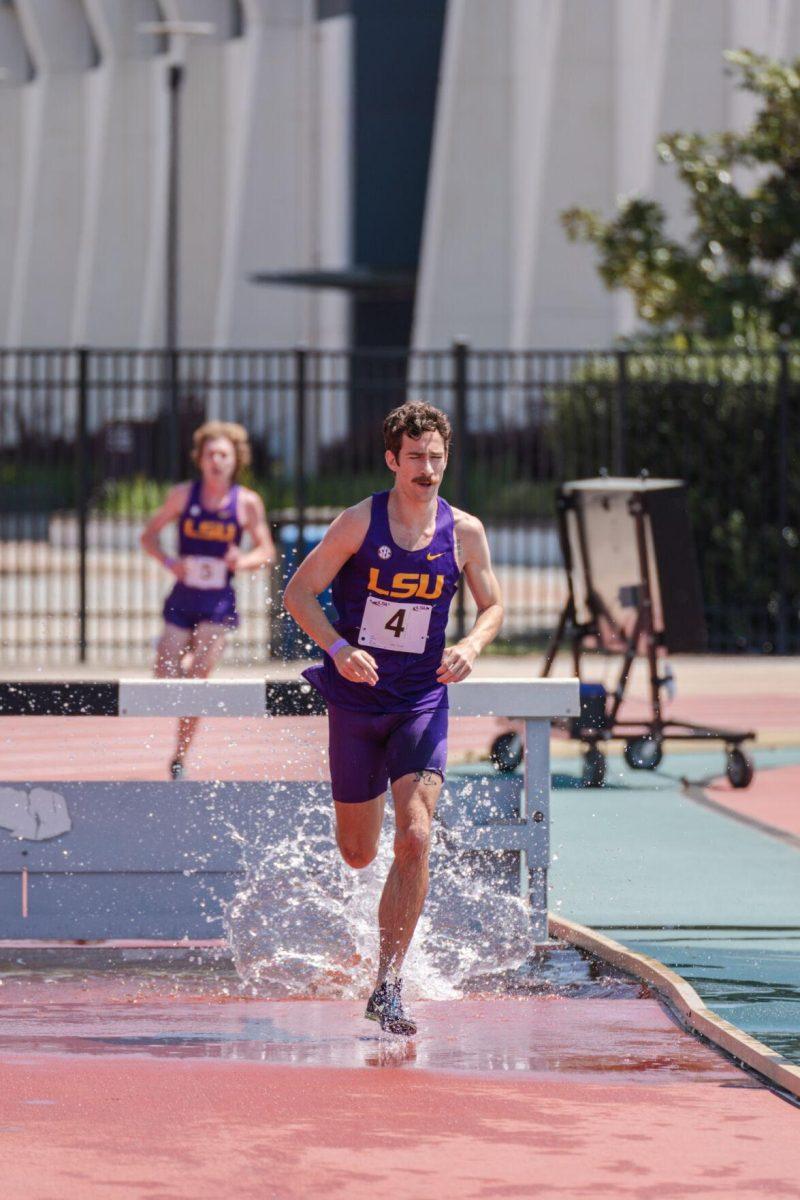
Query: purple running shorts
(187, 608)
(369, 751)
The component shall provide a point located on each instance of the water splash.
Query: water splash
(303, 924)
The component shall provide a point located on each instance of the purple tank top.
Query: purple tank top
(203, 533)
(395, 604)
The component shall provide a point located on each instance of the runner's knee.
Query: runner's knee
(411, 845)
(168, 660)
(198, 670)
(207, 649)
(357, 855)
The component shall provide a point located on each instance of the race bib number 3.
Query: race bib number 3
(205, 573)
(389, 625)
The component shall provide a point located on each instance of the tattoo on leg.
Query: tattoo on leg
(427, 776)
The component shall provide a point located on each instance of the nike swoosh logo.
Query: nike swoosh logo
(431, 557)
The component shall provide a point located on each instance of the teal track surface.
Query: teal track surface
(708, 895)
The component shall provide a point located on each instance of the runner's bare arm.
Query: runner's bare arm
(170, 511)
(314, 575)
(254, 520)
(472, 552)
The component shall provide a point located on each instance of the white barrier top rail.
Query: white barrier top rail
(540, 699)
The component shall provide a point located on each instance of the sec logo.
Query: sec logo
(384, 552)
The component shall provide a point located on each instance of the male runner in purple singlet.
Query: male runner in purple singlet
(212, 514)
(394, 561)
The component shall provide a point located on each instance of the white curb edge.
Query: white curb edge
(685, 1002)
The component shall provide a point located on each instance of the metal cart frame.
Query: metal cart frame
(644, 738)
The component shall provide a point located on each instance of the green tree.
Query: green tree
(740, 267)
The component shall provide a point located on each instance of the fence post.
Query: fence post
(173, 416)
(781, 639)
(175, 79)
(82, 492)
(461, 438)
(301, 365)
(618, 435)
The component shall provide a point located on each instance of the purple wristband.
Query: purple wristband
(337, 646)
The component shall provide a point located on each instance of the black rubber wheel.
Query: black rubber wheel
(739, 768)
(643, 753)
(594, 767)
(506, 752)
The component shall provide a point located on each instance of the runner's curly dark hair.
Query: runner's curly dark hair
(415, 418)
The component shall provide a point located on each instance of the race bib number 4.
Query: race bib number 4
(389, 625)
(205, 573)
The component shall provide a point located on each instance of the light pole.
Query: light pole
(178, 33)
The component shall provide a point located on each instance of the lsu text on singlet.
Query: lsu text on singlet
(204, 537)
(395, 604)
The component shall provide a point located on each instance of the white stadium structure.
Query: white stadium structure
(536, 105)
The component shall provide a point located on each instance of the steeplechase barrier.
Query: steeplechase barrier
(134, 860)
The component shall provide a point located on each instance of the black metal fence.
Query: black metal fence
(91, 439)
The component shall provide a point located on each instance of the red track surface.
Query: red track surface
(203, 1129)
(770, 716)
(773, 798)
(589, 1098)
(225, 748)
(525, 1098)
(64, 748)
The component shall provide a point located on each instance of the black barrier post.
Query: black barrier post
(82, 492)
(301, 377)
(781, 639)
(618, 455)
(461, 439)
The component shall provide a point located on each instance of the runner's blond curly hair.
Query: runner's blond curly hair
(235, 434)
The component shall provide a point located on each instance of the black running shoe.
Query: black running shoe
(176, 768)
(385, 1005)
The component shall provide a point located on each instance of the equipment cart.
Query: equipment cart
(633, 589)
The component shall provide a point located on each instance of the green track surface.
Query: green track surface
(710, 896)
